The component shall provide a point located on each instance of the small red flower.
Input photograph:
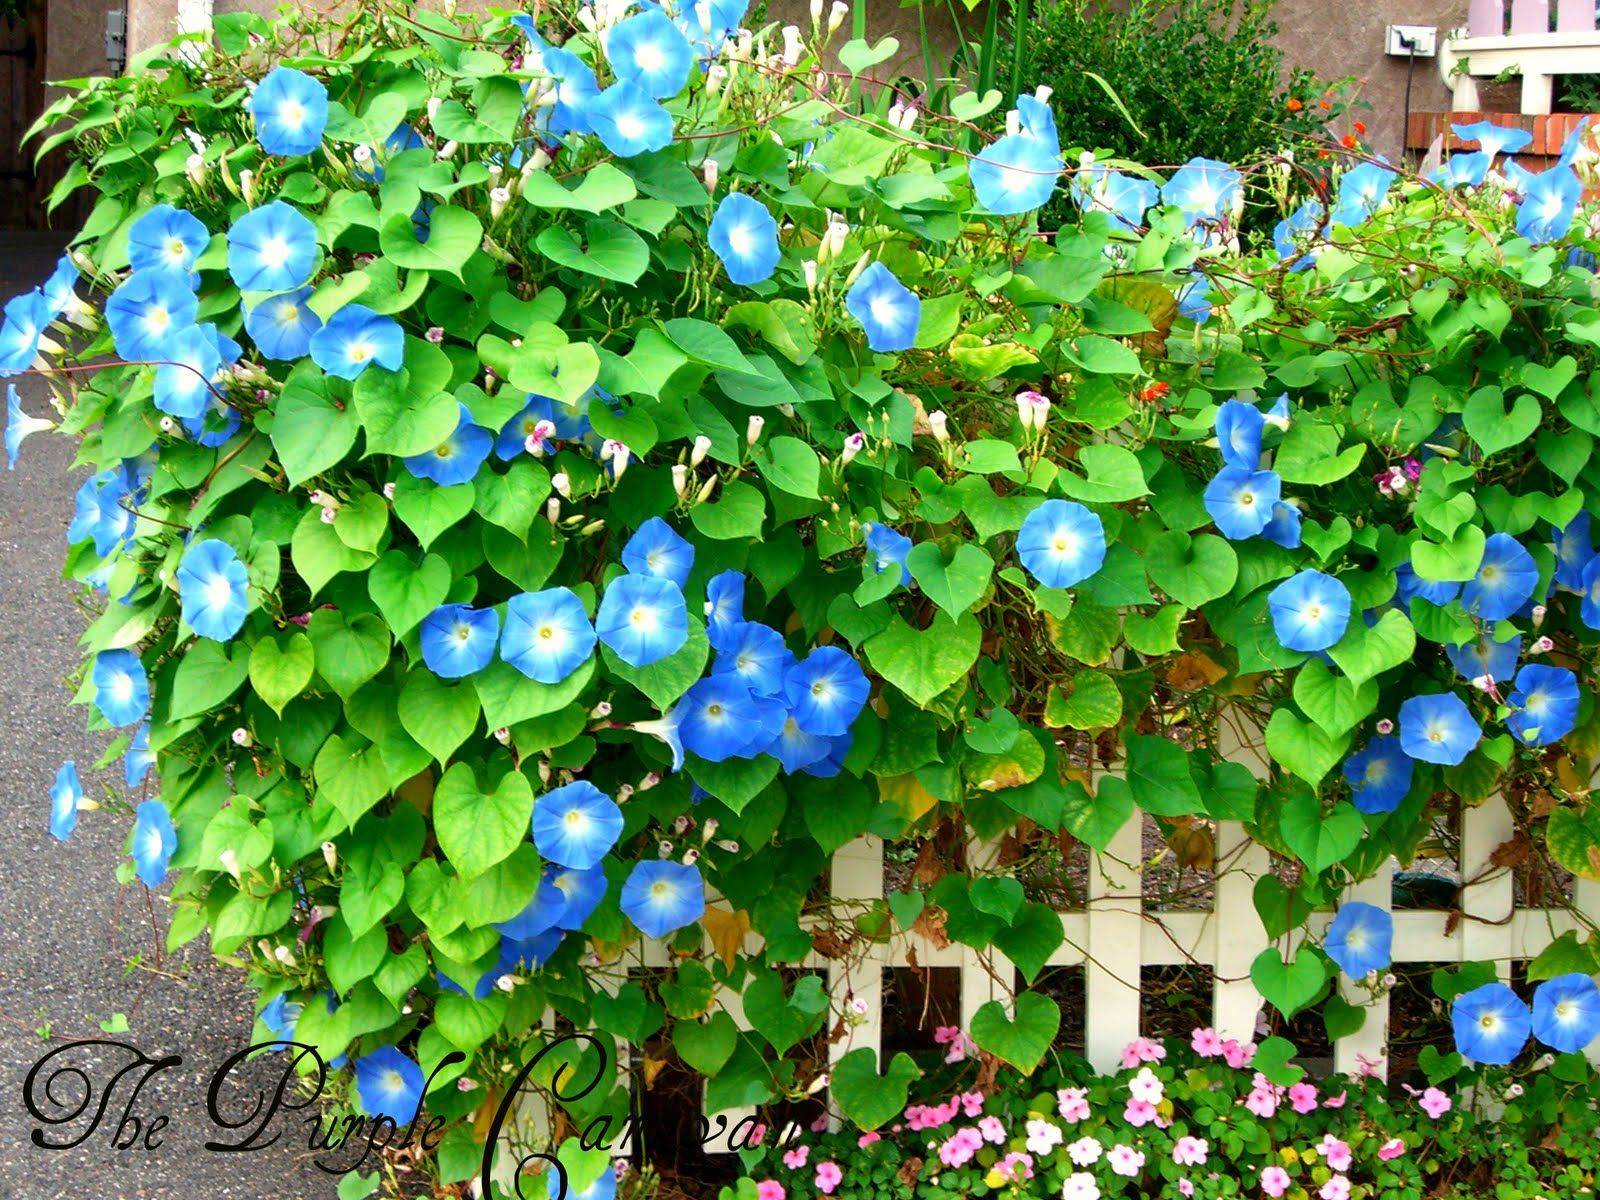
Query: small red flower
(1326, 106)
(1156, 391)
(1294, 105)
(1348, 141)
(1361, 128)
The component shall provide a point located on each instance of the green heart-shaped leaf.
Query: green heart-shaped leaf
(925, 663)
(478, 829)
(1193, 571)
(1289, 987)
(1021, 1040)
(954, 586)
(280, 670)
(1307, 750)
(1319, 840)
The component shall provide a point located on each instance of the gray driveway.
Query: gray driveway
(74, 947)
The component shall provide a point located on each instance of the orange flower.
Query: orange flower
(1294, 105)
(1156, 391)
(1326, 106)
(1361, 128)
(1348, 141)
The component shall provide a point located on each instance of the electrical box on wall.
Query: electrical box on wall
(116, 35)
(1407, 41)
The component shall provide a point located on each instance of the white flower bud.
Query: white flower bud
(230, 862)
(852, 447)
(809, 269)
(241, 737)
(939, 423)
(247, 185)
(330, 855)
(506, 982)
(498, 199)
(862, 264)
(329, 516)
(562, 485)
(837, 14)
(1543, 645)
(601, 711)
(698, 452)
(706, 489)
(552, 509)
(691, 856)
(709, 172)
(680, 479)
(195, 168)
(752, 429)
(284, 955)
(446, 151)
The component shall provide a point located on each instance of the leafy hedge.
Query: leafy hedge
(535, 510)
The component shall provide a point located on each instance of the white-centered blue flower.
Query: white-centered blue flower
(184, 379)
(1239, 429)
(147, 312)
(1484, 656)
(356, 338)
(1284, 527)
(1574, 549)
(1061, 543)
(1295, 237)
(1491, 1024)
(582, 890)
(282, 326)
(1242, 501)
(1379, 775)
(1548, 205)
(1124, 198)
(756, 653)
(568, 422)
(795, 749)
(152, 842)
(576, 825)
(662, 897)
(716, 717)
(212, 428)
(543, 912)
(1204, 189)
(656, 549)
(547, 634)
(1566, 1013)
(1016, 174)
(1462, 170)
(1438, 728)
(1360, 939)
(1310, 611)
(1362, 191)
(138, 760)
(1505, 580)
(60, 291)
(724, 606)
(272, 249)
(102, 511)
(167, 237)
(826, 691)
(214, 588)
(886, 309)
(458, 640)
(1494, 139)
(628, 121)
(887, 549)
(1409, 586)
(1544, 705)
(745, 237)
(19, 425)
(649, 50)
(643, 619)
(279, 1016)
(576, 90)
(66, 794)
(389, 1085)
(26, 317)
(291, 111)
(121, 688)
(456, 459)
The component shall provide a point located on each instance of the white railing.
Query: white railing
(1528, 40)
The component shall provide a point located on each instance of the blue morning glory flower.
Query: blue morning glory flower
(1293, 237)
(1284, 527)
(582, 890)
(215, 426)
(183, 380)
(827, 768)
(1036, 121)
(282, 326)
(272, 249)
(138, 759)
(65, 794)
(724, 606)
(796, 749)
(1566, 1013)
(279, 1016)
(121, 688)
(1239, 428)
(60, 291)
(1505, 580)
(1194, 300)
(1494, 139)
(543, 912)
(569, 423)
(1548, 205)
(1379, 775)
(25, 319)
(354, 339)
(154, 840)
(1438, 728)
(1016, 174)
(1360, 939)
(19, 425)
(745, 237)
(1573, 144)
(167, 237)
(1546, 704)
(1484, 656)
(1061, 543)
(887, 548)
(1491, 1024)
(662, 897)
(574, 826)
(547, 635)
(656, 549)
(715, 717)
(888, 310)
(1123, 197)
(1590, 608)
(291, 111)
(628, 121)
(1574, 549)
(1310, 611)
(214, 588)
(647, 49)
(602, 1187)
(826, 691)
(1462, 170)
(757, 655)
(458, 640)
(401, 138)
(576, 91)
(389, 1084)
(457, 458)
(1361, 191)
(148, 310)
(99, 512)
(1241, 501)
(1203, 188)
(1408, 585)
(642, 619)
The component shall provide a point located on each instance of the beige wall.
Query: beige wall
(1334, 39)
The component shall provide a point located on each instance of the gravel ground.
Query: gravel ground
(74, 947)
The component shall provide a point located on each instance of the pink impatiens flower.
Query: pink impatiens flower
(1262, 1101)
(1072, 1104)
(1043, 1137)
(868, 1138)
(1190, 1152)
(960, 1147)
(1337, 1188)
(1206, 1043)
(992, 1129)
(1085, 1152)
(958, 1046)
(1142, 1050)
(1435, 1103)
(1335, 1101)
(1303, 1098)
(1139, 1113)
(1126, 1161)
(796, 1158)
(1016, 1167)
(770, 1189)
(1337, 1152)
(1391, 1150)
(971, 1103)
(1274, 1181)
(828, 1177)
(1185, 1187)
(1080, 1185)
(1236, 1055)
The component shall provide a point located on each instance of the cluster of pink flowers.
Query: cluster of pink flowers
(958, 1045)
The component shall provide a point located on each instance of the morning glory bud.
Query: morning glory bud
(680, 479)
(680, 824)
(709, 172)
(1483, 683)
(498, 199)
(388, 491)
(752, 429)
(728, 844)
(562, 485)
(330, 855)
(710, 829)
(618, 454)
(837, 14)
(506, 982)
(1538, 614)
(195, 168)
(552, 510)
(284, 955)
(816, 13)
(241, 737)
(329, 516)
(247, 185)
(664, 848)
(167, 425)
(433, 107)
(852, 447)
(716, 76)
(502, 735)
(1385, 726)
(809, 270)
(362, 154)
(691, 856)
(624, 792)
(706, 489)
(939, 423)
(1543, 645)
(1042, 93)
(862, 264)
(593, 527)
(600, 711)
(230, 862)
(698, 452)
(896, 110)
(544, 770)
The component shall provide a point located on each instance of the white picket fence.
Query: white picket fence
(1114, 937)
